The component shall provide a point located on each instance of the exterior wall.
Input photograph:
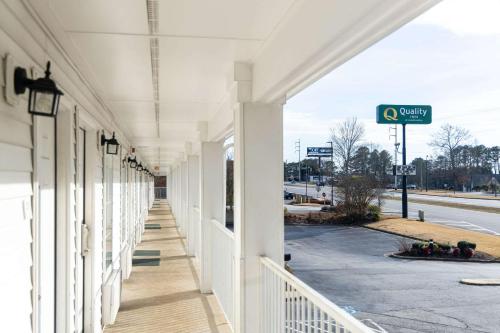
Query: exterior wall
(16, 193)
(27, 42)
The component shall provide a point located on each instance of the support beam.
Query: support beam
(258, 194)
(211, 180)
(193, 201)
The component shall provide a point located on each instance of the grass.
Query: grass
(494, 210)
(489, 244)
(450, 194)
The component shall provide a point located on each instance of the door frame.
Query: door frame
(36, 225)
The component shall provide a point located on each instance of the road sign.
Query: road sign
(404, 114)
(319, 151)
(404, 170)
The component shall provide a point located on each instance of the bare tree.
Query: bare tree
(346, 137)
(448, 140)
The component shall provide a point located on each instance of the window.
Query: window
(229, 181)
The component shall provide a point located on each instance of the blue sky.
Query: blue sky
(448, 58)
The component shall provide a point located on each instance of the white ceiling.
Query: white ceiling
(199, 41)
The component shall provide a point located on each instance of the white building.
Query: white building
(172, 79)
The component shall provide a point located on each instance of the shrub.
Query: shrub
(465, 244)
(404, 245)
(445, 247)
(356, 193)
(374, 212)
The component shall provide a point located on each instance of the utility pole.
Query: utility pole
(426, 173)
(396, 151)
(307, 180)
(331, 176)
(297, 150)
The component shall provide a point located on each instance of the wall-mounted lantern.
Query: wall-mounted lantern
(44, 94)
(133, 162)
(112, 144)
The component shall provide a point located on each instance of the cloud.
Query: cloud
(465, 17)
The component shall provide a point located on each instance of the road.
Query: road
(488, 223)
(347, 265)
(476, 202)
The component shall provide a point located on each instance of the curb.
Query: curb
(481, 282)
(394, 233)
(479, 261)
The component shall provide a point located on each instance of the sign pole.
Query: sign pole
(404, 198)
(319, 169)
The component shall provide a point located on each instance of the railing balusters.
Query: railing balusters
(291, 306)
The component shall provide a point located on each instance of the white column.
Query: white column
(258, 195)
(211, 205)
(193, 201)
(183, 198)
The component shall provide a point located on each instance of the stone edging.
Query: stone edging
(483, 261)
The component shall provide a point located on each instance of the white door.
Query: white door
(80, 213)
(45, 170)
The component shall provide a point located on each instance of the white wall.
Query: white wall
(30, 46)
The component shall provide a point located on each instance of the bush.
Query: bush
(462, 245)
(356, 193)
(374, 212)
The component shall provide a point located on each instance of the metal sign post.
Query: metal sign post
(404, 201)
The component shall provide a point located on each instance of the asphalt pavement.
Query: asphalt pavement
(488, 223)
(348, 266)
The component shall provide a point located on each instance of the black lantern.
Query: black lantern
(140, 167)
(133, 162)
(112, 144)
(44, 95)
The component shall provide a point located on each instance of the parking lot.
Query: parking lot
(348, 266)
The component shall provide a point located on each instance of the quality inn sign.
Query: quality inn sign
(404, 114)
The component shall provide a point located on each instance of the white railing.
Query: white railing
(223, 267)
(290, 305)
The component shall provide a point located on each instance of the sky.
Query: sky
(449, 58)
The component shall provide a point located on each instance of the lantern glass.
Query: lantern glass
(133, 164)
(43, 103)
(112, 148)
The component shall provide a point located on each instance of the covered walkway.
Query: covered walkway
(162, 294)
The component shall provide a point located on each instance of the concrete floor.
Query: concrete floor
(348, 266)
(166, 298)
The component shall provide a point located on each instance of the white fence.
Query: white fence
(290, 305)
(196, 231)
(223, 267)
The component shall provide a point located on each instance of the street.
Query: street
(456, 217)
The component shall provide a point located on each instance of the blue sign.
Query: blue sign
(319, 151)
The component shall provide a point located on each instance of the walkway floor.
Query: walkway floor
(163, 295)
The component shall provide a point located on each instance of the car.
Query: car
(287, 195)
(320, 184)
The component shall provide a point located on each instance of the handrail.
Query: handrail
(223, 229)
(345, 319)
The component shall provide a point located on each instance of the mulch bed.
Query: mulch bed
(315, 218)
(477, 257)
